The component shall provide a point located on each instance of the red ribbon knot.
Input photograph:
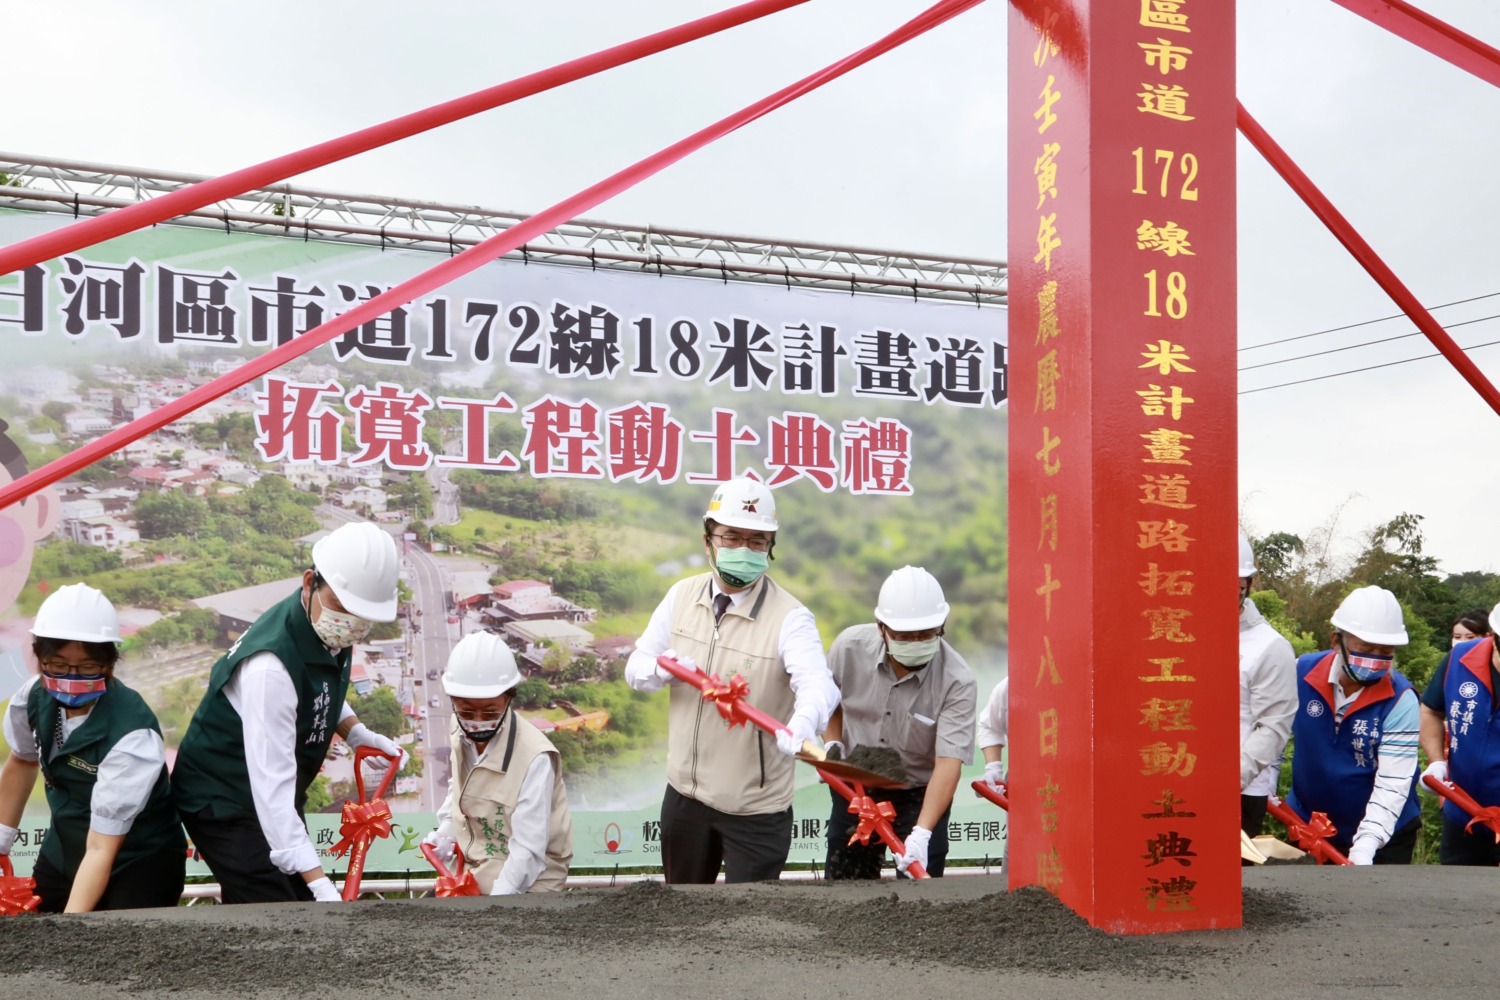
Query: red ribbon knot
(870, 814)
(363, 822)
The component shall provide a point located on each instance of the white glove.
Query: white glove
(789, 741)
(994, 775)
(373, 768)
(443, 842)
(7, 837)
(1363, 851)
(323, 890)
(501, 889)
(672, 678)
(1437, 769)
(843, 751)
(916, 849)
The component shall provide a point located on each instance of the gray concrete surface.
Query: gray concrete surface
(1315, 933)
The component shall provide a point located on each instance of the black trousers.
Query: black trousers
(696, 839)
(1252, 814)
(1462, 847)
(153, 880)
(863, 861)
(238, 855)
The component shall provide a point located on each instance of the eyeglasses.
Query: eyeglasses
(931, 633)
(88, 668)
(730, 540)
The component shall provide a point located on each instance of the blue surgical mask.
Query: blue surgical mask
(1365, 668)
(740, 567)
(75, 690)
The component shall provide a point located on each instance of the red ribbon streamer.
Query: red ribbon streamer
(469, 260)
(450, 883)
(871, 814)
(728, 698)
(984, 791)
(17, 892)
(1427, 32)
(1311, 835)
(1364, 253)
(1488, 815)
(188, 199)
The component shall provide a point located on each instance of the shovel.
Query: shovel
(458, 882)
(984, 791)
(1488, 815)
(364, 821)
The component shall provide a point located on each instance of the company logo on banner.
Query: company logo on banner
(542, 439)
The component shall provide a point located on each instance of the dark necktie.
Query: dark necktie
(721, 605)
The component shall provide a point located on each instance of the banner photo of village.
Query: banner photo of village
(541, 441)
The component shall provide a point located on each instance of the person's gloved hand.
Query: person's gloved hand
(994, 775)
(501, 889)
(323, 890)
(835, 750)
(1437, 769)
(1362, 852)
(442, 841)
(789, 740)
(916, 849)
(7, 838)
(671, 678)
(373, 768)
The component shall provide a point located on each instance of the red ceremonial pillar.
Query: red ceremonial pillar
(1124, 734)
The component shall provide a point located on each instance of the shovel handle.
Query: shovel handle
(984, 791)
(882, 827)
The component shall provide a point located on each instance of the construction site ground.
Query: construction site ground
(1326, 933)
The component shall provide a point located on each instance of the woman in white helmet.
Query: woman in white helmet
(1354, 735)
(114, 841)
(507, 807)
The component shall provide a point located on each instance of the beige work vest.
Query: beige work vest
(738, 771)
(487, 795)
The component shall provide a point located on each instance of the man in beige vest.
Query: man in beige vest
(729, 791)
(507, 808)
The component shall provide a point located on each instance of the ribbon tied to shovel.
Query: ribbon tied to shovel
(17, 893)
(728, 698)
(451, 883)
(870, 814)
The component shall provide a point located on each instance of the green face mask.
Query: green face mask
(740, 567)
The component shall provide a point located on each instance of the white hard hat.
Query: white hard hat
(1372, 614)
(911, 600)
(480, 666)
(1495, 622)
(743, 503)
(77, 612)
(359, 562)
(1247, 557)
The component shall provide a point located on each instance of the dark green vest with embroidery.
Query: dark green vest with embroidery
(72, 768)
(210, 772)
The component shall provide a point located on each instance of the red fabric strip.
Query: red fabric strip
(124, 220)
(471, 259)
(1364, 253)
(1427, 32)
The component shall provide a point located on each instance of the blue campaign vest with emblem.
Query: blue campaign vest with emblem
(1334, 763)
(211, 772)
(72, 768)
(1473, 726)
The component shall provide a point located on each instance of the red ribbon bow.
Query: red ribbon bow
(1490, 817)
(16, 895)
(364, 822)
(870, 814)
(727, 698)
(455, 883)
(1313, 837)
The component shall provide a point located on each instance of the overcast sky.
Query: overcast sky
(907, 153)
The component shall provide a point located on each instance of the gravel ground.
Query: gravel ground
(1308, 932)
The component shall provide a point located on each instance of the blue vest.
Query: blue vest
(1334, 763)
(1473, 726)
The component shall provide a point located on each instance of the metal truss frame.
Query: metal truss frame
(54, 185)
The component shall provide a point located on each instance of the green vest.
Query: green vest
(210, 772)
(72, 769)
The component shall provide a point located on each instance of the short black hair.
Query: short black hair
(1476, 621)
(106, 653)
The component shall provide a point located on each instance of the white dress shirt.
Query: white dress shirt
(261, 691)
(799, 646)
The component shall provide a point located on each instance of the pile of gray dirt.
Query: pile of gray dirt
(1022, 930)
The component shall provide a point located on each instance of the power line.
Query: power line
(1355, 371)
(1368, 322)
(1368, 343)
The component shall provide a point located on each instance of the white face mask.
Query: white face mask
(914, 655)
(340, 629)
